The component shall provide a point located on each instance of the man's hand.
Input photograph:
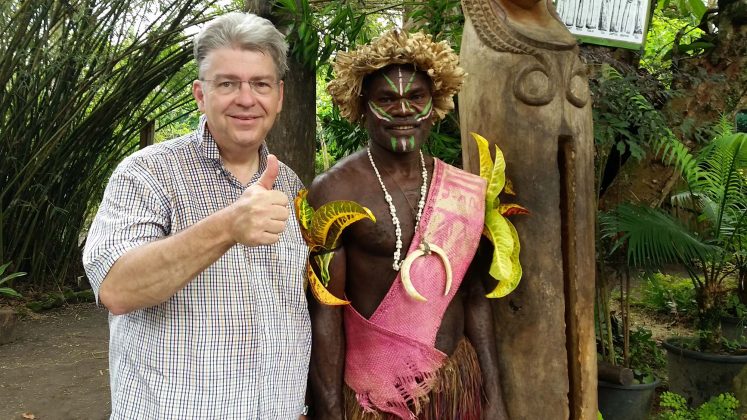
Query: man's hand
(259, 215)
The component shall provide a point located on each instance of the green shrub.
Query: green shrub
(667, 294)
(645, 355)
(722, 407)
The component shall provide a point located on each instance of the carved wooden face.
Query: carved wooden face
(398, 108)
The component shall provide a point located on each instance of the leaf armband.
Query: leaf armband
(505, 266)
(322, 230)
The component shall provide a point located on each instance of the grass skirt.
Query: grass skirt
(457, 394)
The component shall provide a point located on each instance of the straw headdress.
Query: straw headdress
(437, 59)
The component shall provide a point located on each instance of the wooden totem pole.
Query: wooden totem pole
(527, 92)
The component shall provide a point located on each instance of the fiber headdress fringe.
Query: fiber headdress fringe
(457, 393)
(396, 47)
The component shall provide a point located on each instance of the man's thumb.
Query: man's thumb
(267, 179)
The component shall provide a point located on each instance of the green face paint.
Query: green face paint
(426, 111)
(394, 143)
(412, 142)
(391, 83)
(379, 113)
(409, 83)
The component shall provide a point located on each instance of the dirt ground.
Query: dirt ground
(57, 367)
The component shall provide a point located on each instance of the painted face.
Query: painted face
(399, 108)
(238, 119)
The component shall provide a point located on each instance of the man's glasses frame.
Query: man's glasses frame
(230, 87)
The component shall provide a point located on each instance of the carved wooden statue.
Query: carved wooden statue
(527, 92)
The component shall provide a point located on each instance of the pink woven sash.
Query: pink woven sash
(390, 359)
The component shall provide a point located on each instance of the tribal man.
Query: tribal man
(417, 340)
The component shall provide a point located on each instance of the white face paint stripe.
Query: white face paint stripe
(376, 113)
(401, 88)
(426, 115)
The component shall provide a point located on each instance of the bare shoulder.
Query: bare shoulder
(340, 181)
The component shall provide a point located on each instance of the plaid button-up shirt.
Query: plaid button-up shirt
(235, 342)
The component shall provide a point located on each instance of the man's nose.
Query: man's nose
(245, 95)
(403, 107)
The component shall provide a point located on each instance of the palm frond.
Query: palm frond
(652, 238)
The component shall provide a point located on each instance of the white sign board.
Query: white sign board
(608, 22)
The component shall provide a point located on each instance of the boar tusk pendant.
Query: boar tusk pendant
(424, 249)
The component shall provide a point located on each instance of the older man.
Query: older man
(195, 255)
(417, 339)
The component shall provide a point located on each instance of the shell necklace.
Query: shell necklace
(393, 210)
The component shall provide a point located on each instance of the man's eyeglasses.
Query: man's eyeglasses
(229, 87)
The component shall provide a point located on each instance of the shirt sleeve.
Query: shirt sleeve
(134, 211)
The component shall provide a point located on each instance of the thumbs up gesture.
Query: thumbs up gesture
(260, 214)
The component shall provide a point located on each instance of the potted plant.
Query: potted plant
(628, 357)
(706, 236)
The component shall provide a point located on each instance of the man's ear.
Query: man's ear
(281, 87)
(199, 94)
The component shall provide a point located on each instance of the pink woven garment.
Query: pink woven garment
(391, 361)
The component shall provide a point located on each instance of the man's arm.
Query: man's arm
(479, 329)
(326, 372)
(150, 274)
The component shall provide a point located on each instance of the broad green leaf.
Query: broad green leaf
(332, 218)
(697, 8)
(3, 267)
(500, 235)
(7, 291)
(498, 179)
(486, 162)
(507, 285)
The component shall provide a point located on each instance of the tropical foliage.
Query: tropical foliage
(322, 230)
(721, 407)
(7, 291)
(505, 266)
(706, 230)
(80, 79)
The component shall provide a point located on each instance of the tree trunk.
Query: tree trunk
(293, 136)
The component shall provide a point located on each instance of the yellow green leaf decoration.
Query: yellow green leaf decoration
(332, 218)
(505, 266)
(483, 149)
(320, 292)
(498, 180)
(509, 188)
(507, 285)
(323, 260)
(503, 245)
(321, 229)
(303, 209)
(511, 209)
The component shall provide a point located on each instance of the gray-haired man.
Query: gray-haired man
(197, 257)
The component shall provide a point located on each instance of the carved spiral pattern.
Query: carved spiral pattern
(494, 35)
